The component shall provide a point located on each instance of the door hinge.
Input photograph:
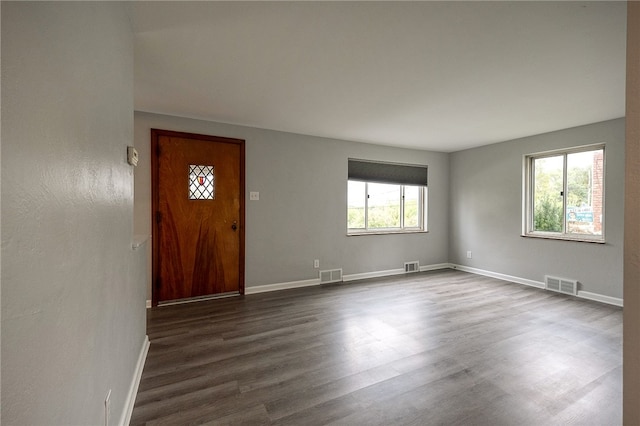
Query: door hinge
(158, 217)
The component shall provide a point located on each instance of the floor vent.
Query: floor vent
(561, 285)
(411, 266)
(331, 276)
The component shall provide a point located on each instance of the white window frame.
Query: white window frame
(422, 212)
(528, 196)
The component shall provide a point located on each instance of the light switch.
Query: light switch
(254, 196)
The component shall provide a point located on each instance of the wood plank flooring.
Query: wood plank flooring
(437, 348)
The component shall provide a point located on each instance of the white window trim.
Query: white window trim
(422, 202)
(527, 197)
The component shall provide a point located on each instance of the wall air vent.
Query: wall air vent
(330, 276)
(411, 267)
(561, 285)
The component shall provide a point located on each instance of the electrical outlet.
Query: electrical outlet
(254, 196)
(469, 255)
(316, 263)
(107, 408)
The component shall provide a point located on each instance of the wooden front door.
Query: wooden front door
(198, 215)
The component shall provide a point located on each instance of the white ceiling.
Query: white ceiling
(442, 76)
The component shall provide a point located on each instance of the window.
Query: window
(564, 194)
(386, 198)
(202, 182)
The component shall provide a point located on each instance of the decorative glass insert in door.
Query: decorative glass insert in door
(202, 183)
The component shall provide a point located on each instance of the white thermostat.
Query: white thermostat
(132, 156)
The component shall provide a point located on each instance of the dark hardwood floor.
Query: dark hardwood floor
(438, 348)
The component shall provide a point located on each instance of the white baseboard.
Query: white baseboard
(435, 267)
(125, 418)
(601, 298)
(374, 274)
(498, 275)
(390, 272)
(281, 286)
(583, 294)
(350, 277)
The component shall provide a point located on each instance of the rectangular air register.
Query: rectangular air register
(411, 267)
(561, 285)
(330, 276)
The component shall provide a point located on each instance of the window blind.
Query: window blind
(402, 174)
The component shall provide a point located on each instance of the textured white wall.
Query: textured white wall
(73, 316)
(301, 214)
(486, 212)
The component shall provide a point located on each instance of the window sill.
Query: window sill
(564, 238)
(359, 234)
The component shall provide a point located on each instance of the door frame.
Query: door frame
(155, 153)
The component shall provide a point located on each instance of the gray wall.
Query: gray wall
(73, 293)
(486, 212)
(301, 214)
